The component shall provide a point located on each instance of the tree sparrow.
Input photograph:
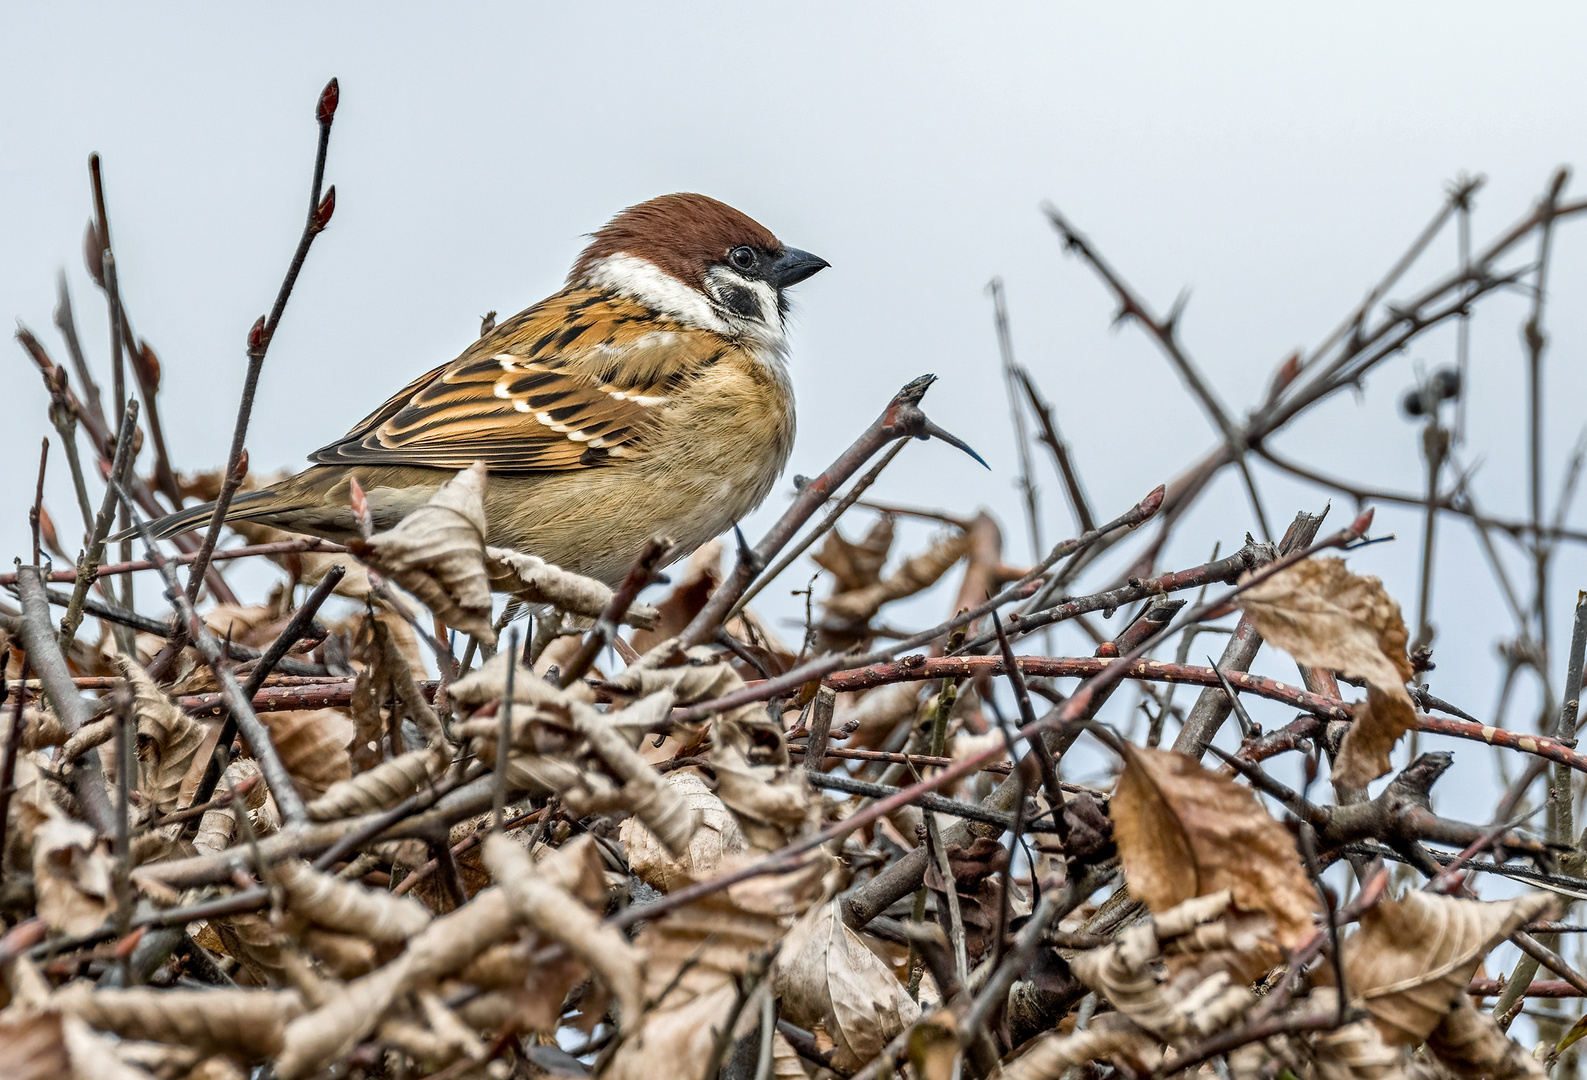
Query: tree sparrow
(651, 395)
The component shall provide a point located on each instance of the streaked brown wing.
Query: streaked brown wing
(572, 383)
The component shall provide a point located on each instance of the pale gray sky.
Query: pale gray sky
(1276, 158)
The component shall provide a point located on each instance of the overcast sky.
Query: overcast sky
(1274, 160)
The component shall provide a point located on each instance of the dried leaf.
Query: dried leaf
(933, 1047)
(313, 747)
(218, 827)
(1184, 831)
(695, 954)
(249, 1022)
(1186, 995)
(32, 1046)
(47, 1044)
(347, 906)
(1411, 959)
(168, 740)
(716, 836)
(979, 896)
(560, 916)
(1050, 1056)
(1356, 1051)
(1325, 616)
(261, 945)
(827, 975)
(1470, 1043)
(609, 738)
(856, 564)
(1378, 723)
(437, 553)
(773, 803)
(915, 574)
(388, 678)
(442, 947)
(381, 787)
(535, 581)
(691, 589)
(71, 873)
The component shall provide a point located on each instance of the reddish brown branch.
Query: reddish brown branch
(279, 547)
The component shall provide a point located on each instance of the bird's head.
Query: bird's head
(699, 260)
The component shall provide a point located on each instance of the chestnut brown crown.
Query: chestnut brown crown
(683, 234)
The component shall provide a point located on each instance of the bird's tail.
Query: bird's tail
(244, 505)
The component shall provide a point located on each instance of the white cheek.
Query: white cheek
(648, 283)
(768, 328)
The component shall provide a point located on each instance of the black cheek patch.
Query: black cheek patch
(741, 302)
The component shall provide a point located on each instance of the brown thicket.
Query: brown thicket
(250, 839)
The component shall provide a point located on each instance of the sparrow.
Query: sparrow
(650, 396)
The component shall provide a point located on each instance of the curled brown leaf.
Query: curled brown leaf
(1184, 831)
(437, 553)
(1325, 616)
(1411, 960)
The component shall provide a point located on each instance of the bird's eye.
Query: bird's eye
(742, 257)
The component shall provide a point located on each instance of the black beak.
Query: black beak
(793, 266)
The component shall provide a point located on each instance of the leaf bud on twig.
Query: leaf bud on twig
(148, 366)
(325, 111)
(256, 337)
(360, 505)
(1360, 525)
(93, 254)
(322, 213)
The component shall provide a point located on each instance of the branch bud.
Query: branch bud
(325, 112)
(1284, 375)
(93, 254)
(148, 366)
(322, 213)
(47, 531)
(360, 505)
(239, 473)
(256, 338)
(1360, 525)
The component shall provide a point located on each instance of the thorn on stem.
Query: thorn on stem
(932, 431)
(746, 554)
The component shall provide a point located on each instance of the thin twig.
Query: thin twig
(95, 550)
(901, 419)
(641, 574)
(263, 331)
(826, 525)
(296, 628)
(258, 736)
(504, 736)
